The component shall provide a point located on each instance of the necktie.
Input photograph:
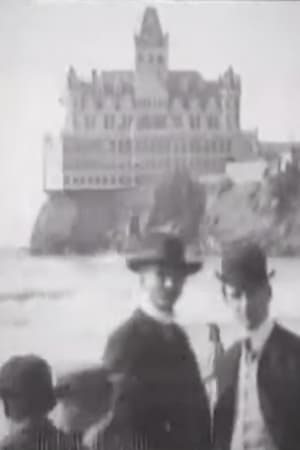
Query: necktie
(251, 354)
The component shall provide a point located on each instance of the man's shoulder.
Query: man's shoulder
(128, 328)
(285, 339)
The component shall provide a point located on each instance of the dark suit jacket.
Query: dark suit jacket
(164, 404)
(278, 380)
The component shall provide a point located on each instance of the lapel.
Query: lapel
(227, 382)
(274, 358)
(228, 372)
(272, 384)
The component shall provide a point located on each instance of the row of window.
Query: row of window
(80, 104)
(96, 180)
(110, 181)
(150, 58)
(144, 122)
(110, 122)
(95, 165)
(154, 121)
(146, 163)
(106, 181)
(150, 103)
(157, 147)
(194, 146)
(159, 164)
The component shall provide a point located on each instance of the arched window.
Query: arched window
(213, 122)
(160, 59)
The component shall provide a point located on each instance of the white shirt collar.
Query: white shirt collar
(260, 335)
(161, 316)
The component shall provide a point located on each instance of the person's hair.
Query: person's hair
(214, 332)
(265, 285)
(19, 408)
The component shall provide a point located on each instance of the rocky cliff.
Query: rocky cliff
(87, 222)
(84, 222)
(251, 211)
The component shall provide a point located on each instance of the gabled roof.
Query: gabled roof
(118, 83)
(188, 85)
(151, 32)
(185, 86)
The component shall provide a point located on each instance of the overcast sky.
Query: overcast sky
(39, 39)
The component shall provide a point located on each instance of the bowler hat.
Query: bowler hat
(28, 378)
(244, 264)
(163, 250)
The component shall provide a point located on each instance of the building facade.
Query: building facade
(126, 129)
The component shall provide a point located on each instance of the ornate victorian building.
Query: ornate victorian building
(127, 129)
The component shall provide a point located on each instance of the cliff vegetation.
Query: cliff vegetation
(88, 222)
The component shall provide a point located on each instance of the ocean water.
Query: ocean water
(64, 308)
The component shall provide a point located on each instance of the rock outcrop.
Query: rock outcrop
(87, 222)
(83, 222)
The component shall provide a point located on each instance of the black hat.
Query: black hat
(244, 264)
(163, 250)
(29, 379)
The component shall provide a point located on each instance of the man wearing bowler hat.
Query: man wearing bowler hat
(28, 396)
(163, 405)
(258, 406)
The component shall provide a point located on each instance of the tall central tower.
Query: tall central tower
(151, 46)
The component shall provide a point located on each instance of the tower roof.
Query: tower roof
(151, 32)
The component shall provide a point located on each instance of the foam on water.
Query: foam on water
(64, 308)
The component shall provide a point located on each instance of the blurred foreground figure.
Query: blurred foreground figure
(258, 405)
(28, 396)
(162, 404)
(84, 409)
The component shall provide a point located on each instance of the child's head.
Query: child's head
(26, 387)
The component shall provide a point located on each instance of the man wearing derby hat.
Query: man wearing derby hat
(28, 396)
(163, 405)
(258, 406)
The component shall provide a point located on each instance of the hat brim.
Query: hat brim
(136, 264)
(221, 277)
